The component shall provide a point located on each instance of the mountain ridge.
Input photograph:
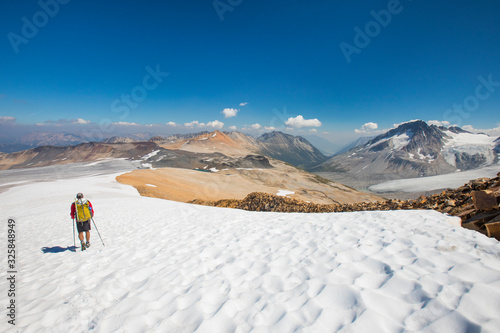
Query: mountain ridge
(412, 149)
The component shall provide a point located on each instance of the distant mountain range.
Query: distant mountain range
(288, 148)
(414, 149)
(38, 139)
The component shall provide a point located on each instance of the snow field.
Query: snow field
(173, 267)
(449, 180)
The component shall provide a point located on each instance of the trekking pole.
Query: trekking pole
(74, 244)
(97, 231)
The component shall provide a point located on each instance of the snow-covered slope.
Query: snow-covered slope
(423, 184)
(173, 267)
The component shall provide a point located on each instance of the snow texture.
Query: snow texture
(470, 144)
(175, 267)
(148, 156)
(401, 140)
(284, 193)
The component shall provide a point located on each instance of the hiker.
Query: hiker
(82, 211)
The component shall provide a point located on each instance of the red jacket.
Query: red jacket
(73, 209)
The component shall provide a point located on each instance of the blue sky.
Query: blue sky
(336, 69)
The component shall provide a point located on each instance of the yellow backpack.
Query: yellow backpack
(82, 209)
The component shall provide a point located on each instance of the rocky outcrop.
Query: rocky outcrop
(476, 203)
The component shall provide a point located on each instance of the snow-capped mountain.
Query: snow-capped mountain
(415, 149)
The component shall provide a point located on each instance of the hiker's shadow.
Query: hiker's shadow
(58, 249)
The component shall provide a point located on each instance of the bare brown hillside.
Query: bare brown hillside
(187, 185)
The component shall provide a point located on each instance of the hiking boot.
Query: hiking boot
(83, 246)
(87, 244)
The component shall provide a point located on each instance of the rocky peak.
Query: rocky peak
(292, 149)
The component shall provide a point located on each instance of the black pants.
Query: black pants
(83, 226)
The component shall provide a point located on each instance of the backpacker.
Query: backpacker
(83, 211)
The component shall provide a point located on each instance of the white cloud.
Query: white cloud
(233, 128)
(367, 128)
(244, 103)
(171, 123)
(124, 123)
(81, 121)
(313, 130)
(439, 123)
(215, 124)
(270, 128)
(492, 131)
(194, 123)
(7, 120)
(255, 126)
(229, 112)
(64, 122)
(299, 122)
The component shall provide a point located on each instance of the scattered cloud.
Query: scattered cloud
(244, 103)
(81, 121)
(492, 131)
(255, 126)
(439, 123)
(299, 122)
(7, 120)
(229, 112)
(215, 124)
(367, 128)
(63, 122)
(313, 130)
(194, 123)
(270, 128)
(124, 123)
(171, 123)
(233, 128)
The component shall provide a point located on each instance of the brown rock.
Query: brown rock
(493, 230)
(446, 210)
(484, 201)
(465, 214)
(451, 202)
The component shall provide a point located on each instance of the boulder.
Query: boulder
(484, 201)
(493, 230)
